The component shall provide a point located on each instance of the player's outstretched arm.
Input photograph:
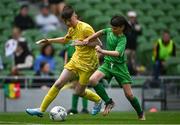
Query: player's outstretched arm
(93, 37)
(107, 52)
(93, 43)
(53, 40)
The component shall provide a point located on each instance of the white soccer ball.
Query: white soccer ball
(58, 113)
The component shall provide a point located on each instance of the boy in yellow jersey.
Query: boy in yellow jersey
(83, 63)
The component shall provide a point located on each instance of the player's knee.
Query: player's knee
(59, 84)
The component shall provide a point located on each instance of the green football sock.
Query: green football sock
(136, 105)
(75, 102)
(101, 92)
(84, 103)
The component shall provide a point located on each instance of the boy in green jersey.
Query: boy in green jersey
(115, 60)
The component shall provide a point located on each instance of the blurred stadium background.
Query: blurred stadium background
(153, 15)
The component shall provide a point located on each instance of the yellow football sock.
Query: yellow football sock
(90, 95)
(50, 96)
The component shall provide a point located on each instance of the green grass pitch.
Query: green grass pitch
(112, 118)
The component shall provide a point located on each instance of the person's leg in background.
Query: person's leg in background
(156, 70)
(84, 106)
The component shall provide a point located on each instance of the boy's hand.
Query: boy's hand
(42, 41)
(98, 49)
(86, 41)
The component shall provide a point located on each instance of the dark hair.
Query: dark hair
(24, 46)
(44, 5)
(44, 47)
(42, 64)
(67, 12)
(118, 21)
(24, 6)
(166, 31)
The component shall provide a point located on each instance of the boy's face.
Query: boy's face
(117, 30)
(71, 21)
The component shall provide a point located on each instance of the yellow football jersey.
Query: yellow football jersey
(84, 57)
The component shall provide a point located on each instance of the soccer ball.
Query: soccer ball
(58, 113)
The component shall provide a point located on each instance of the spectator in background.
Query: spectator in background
(56, 6)
(46, 21)
(11, 44)
(44, 73)
(132, 41)
(164, 48)
(47, 55)
(23, 58)
(23, 20)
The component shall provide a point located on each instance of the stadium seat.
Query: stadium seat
(31, 33)
(171, 65)
(81, 8)
(73, 2)
(56, 33)
(101, 22)
(149, 33)
(146, 20)
(145, 7)
(93, 2)
(6, 2)
(167, 20)
(177, 39)
(154, 2)
(114, 2)
(158, 27)
(13, 7)
(28, 72)
(7, 33)
(156, 13)
(91, 14)
(174, 2)
(3, 39)
(178, 7)
(124, 7)
(5, 25)
(173, 33)
(175, 13)
(145, 54)
(59, 66)
(133, 2)
(113, 12)
(175, 26)
(103, 8)
(178, 69)
(142, 39)
(9, 19)
(139, 13)
(6, 13)
(165, 7)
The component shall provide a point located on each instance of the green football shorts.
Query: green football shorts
(119, 71)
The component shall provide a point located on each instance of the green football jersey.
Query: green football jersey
(115, 43)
